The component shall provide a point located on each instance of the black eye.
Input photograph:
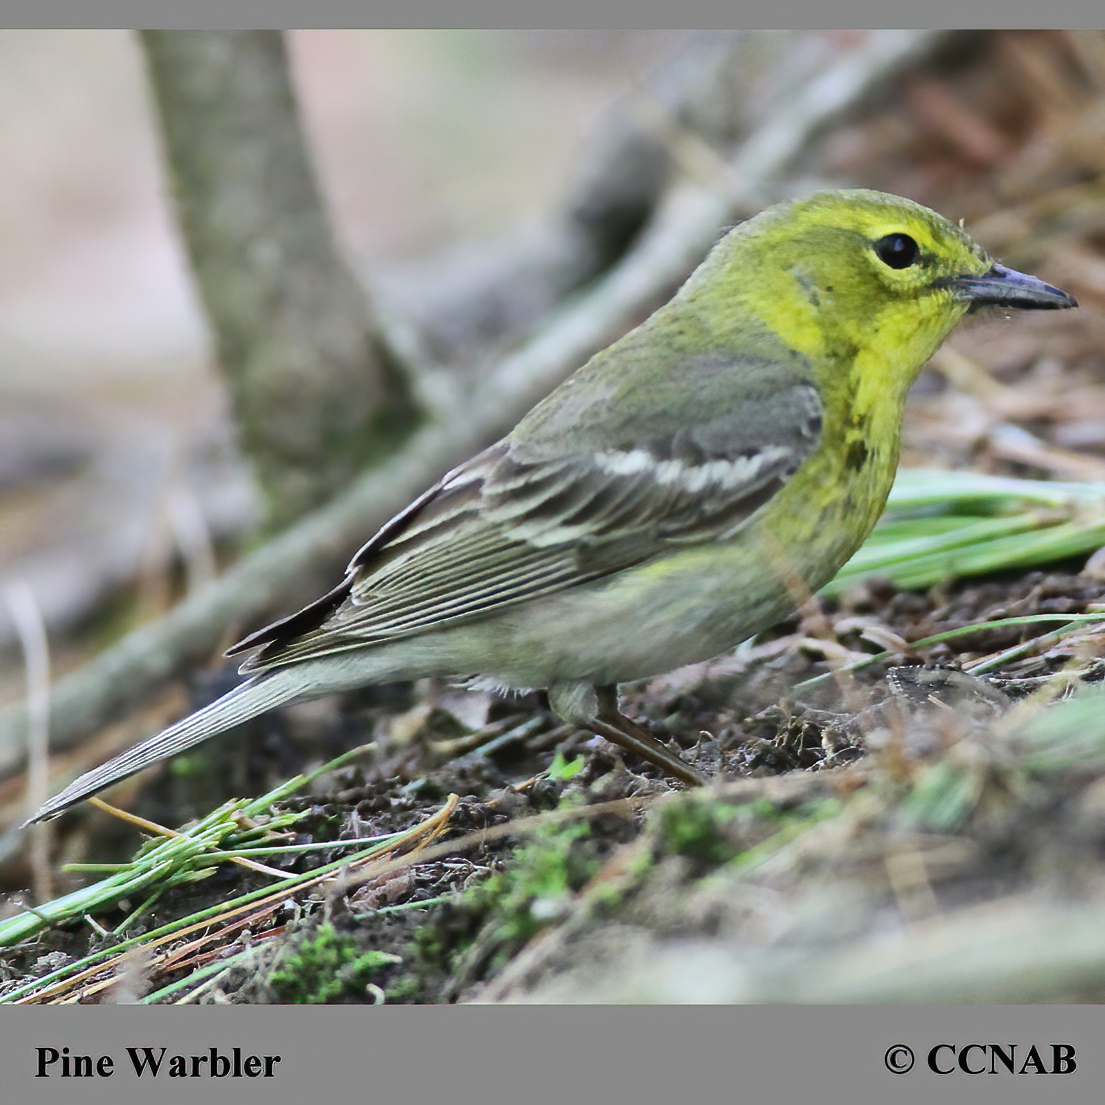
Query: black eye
(899, 251)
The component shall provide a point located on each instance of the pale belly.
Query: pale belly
(681, 609)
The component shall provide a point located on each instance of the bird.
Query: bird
(685, 489)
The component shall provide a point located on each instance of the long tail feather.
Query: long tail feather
(246, 701)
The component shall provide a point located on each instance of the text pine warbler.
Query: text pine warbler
(676, 495)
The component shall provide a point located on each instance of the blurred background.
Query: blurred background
(112, 415)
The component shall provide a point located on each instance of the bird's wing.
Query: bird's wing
(519, 521)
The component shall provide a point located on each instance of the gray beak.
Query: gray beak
(1002, 287)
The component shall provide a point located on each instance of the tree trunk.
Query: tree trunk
(316, 395)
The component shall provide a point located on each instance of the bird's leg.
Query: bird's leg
(596, 708)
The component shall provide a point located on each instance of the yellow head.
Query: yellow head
(855, 280)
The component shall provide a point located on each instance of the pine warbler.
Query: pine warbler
(678, 494)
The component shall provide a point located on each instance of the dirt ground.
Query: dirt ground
(801, 843)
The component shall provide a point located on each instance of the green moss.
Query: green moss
(712, 832)
(485, 926)
(538, 883)
(702, 828)
(406, 990)
(327, 968)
